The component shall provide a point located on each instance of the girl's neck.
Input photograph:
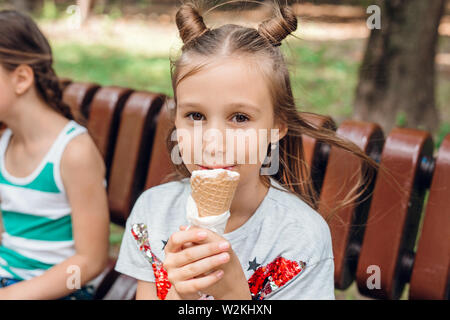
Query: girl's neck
(246, 200)
(32, 119)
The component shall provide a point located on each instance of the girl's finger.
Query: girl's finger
(193, 286)
(178, 239)
(197, 252)
(199, 267)
(188, 244)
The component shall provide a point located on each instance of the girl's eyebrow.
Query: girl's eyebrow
(237, 105)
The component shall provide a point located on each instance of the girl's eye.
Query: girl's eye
(240, 117)
(195, 116)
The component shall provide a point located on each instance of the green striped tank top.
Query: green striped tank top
(36, 214)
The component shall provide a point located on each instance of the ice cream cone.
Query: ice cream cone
(213, 190)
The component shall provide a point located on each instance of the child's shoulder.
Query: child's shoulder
(297, 222)
(163, 201)
(293, 209)
(173, 189)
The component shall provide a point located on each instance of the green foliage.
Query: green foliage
(322, 82)
(444, 130)
(115, 234)
(49, 10)
(108, 66)
(400, 120)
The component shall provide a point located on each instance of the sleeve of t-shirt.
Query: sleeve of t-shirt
(131, 261)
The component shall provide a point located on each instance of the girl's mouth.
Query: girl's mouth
(216, 167)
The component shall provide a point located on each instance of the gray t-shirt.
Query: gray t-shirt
(284, 235)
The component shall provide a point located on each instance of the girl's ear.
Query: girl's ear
(22, 78)
(282, 130)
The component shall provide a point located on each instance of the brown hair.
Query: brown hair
(21, 42)
(230, 39)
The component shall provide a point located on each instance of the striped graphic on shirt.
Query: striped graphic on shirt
(44, 182)
(33, 227)
(36, 213)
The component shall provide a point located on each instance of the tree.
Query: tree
(397, 75)
(85, 8)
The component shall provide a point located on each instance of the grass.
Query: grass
(321, 83)
(107, 66)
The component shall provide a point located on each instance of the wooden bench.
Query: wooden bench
(401, 236)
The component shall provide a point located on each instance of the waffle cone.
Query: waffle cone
(213, 195)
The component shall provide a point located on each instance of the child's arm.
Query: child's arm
(147, 291)
(82, 172)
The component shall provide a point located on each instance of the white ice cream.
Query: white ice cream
(213, 223)
(214, 173)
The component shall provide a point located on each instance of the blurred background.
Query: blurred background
(395, 75)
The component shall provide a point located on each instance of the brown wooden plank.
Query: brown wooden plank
(316, 152)
(160, 162)
(394, 215)
(132, 152)
(342, 172)
(431, 276)
(79, 96)
(103, 124)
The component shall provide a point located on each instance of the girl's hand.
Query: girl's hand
(195, 268)
(232, 284)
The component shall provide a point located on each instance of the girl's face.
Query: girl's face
(224, 118)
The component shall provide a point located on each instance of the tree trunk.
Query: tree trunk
(397, 75)
(85, 9)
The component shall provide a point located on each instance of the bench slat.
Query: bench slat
(430, 278)
(132, 153)
(104, 118)
(79, 96)
(347, 224)
(394, 216)
(316, 152)
(160, 162)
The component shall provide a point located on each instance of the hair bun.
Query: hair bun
(189, 22)
(279, 27)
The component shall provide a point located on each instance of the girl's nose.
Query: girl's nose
(213, 146)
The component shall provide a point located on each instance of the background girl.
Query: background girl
(53, 200)
(230, 78)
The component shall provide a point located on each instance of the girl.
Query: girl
(53, 200)
(276, 245)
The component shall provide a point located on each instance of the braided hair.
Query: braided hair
(21, 42)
